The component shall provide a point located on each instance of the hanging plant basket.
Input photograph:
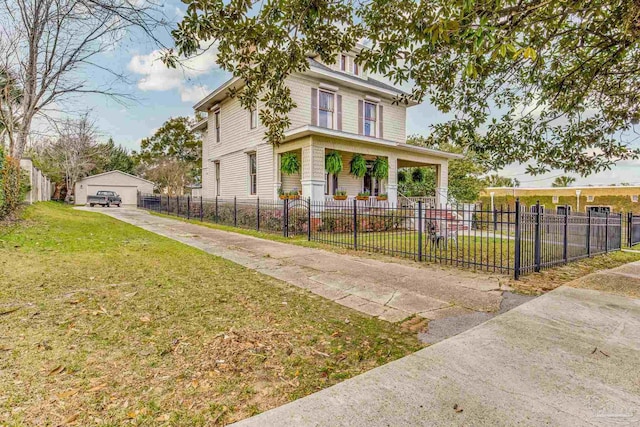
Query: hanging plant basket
(417, 175)
(380, 169)
(333, 163)
(289, 164)
(358, 166)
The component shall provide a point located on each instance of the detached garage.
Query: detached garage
(126, 185)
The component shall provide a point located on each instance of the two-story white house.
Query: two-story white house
(339, 108)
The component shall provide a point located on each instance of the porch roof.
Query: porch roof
(307, 130)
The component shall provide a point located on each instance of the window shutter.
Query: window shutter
(360, 117)
(381, 121)
(314, 106)
(339, 108)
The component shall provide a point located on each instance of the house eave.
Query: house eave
(201, 125)
(218, 95)
(355, 84)
(308, 130)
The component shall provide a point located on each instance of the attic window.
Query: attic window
(589, 198)
(555, 199)
(634, 199)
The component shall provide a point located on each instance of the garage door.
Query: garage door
(129, 194)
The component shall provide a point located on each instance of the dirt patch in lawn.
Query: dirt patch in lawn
(104, 323)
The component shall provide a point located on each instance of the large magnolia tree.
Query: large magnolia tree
(553, 84)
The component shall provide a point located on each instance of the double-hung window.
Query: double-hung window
(217, 172)
(356, 69)
(253, 175)
(326, 107)
(216, 116)
(253, 118)
(343, 62)
(370, 119)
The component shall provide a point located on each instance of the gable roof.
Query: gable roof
(87, 178)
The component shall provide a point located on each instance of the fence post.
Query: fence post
(235, 212)
(589, 233)
(201, 213)
(216, 218)
(419, 230)
(258, 214)
(629, 228)
(565, 245)
(355, 224)
(536, 247)
(606, 232)
(168, 204)
(495, 218)
(285, 219)
(177, 205)
(620, 246)
(309, 219)
(188, 207)
(516, 250)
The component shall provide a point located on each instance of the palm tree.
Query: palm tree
(563, 181)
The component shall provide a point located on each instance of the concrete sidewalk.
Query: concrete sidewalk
(568, 358)
(391, 291)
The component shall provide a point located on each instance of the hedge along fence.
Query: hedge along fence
(14, 185)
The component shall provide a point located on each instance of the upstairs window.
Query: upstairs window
(356, 68)
(253, 118)
(343, 62)
(217, 171)
(253, 175)
(370, 119)
(325, 109)
(217, 124)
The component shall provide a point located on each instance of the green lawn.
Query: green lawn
(102, 323)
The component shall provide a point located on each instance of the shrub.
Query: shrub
(13, 186)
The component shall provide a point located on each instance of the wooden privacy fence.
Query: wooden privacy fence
(513, 240)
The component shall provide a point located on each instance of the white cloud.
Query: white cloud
(193, 93)
(156, 76)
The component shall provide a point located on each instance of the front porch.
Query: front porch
(315, 182)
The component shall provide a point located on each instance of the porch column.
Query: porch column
(442, 183)
(277, 175)
(313, 179)
(392, 180)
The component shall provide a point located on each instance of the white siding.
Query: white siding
(237, 139)
(394, 116)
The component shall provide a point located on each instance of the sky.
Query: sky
(160, 93)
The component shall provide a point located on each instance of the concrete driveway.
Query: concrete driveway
(454, 300)
(568, 358)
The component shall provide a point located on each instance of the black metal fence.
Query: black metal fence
(510, 240)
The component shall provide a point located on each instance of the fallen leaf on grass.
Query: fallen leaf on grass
(98, 387)
(68, 393)
(57, 370)
(11, 310)
(3, 348)
(163, 417)
(145, 319)
(71, 419)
